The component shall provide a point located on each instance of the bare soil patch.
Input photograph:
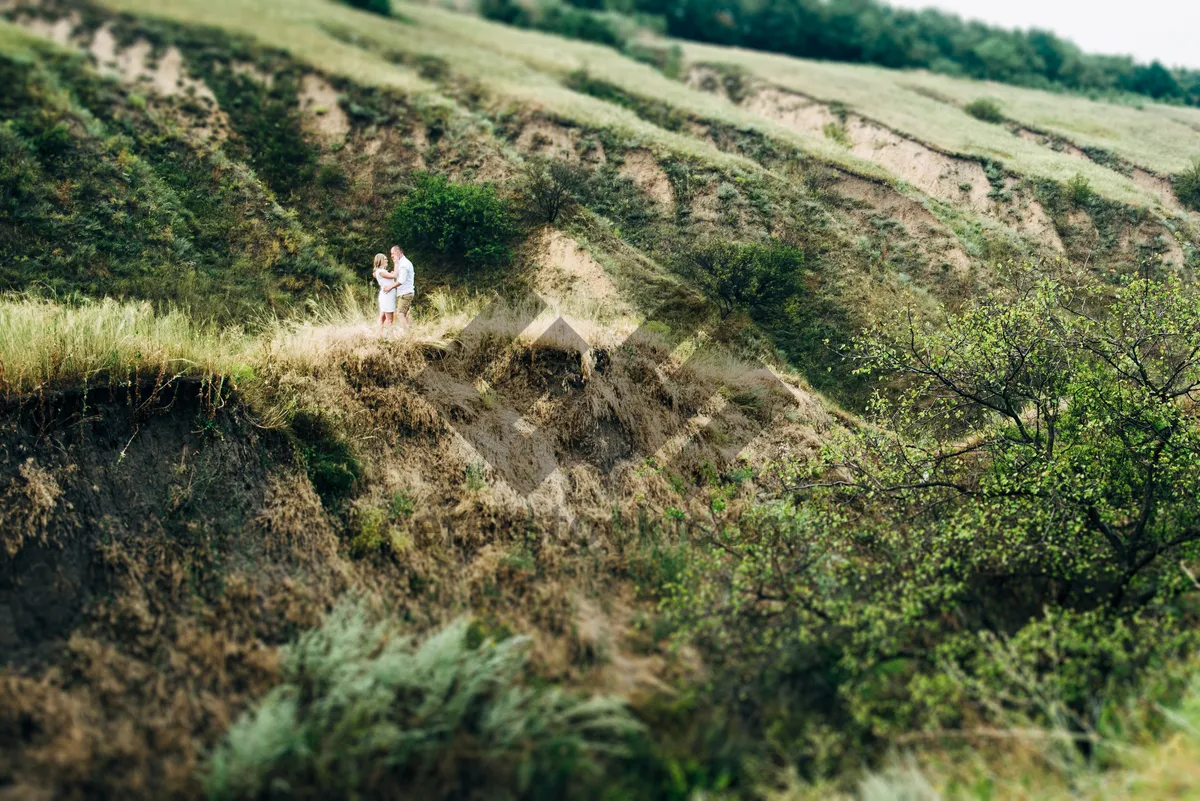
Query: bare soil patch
(641, 167)
(571, 276)
(323, 114)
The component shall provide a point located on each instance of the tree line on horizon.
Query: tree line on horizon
(870, 32)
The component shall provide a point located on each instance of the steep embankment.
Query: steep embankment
(159, 544)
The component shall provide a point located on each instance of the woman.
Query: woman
(387, 291)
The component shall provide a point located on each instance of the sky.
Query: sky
(1167, 30)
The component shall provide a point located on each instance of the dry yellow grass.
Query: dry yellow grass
(45, 345)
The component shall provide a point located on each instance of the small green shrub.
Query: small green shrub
(465, 225)
(1079, 191)
(383, 7)
(985, 109)
(745, 276)
(1187, 186)
(365, 712)
(474, 478)
(550, 188)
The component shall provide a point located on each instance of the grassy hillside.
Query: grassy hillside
(623, 515)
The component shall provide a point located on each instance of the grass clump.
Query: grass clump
(46, 345)
(742, 277)
(836, 132)
(463, 225)
(1187, 186)
(985, 109)
(364, 711)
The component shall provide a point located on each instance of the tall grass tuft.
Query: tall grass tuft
(46, 345)
(364, 711)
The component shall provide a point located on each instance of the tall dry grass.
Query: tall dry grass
(47, 345)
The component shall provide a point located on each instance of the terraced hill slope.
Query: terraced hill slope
(197, 467)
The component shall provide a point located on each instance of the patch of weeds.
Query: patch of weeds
(473, 478)
(329, 460)
(402, 505)
(994, 171)
(667, 60)
(836, 132)
(651, 110)
(1107, 158)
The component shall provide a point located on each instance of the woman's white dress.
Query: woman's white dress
(387, 300)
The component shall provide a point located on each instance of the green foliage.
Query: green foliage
(1187, 186)
(383, 7)
(616, 197)
(465, 225)
(364, 711)
(555, 17)
(662, 114)
(741, 277)
(1080, 192)
(873, 32)
(550, 188)
(1001, 543)
(267, 121)
(837, 132)
(985, 109)
(104, 197)
(473, 477)
(332, 466)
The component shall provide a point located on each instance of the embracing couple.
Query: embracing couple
(395, 288)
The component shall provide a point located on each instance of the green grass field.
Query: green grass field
(1162, 139)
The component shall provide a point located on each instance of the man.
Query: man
(405, 280)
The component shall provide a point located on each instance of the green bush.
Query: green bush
(743, 277)
(985, 109)
(383, 7)
(1002, 542)
(364, 711)
(1079, 191)
(550, 188)
(554, 17)
(464, 225)
(1187, 186)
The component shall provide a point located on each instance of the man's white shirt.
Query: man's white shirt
(405, 276)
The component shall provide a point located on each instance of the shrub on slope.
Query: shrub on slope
(464, 225)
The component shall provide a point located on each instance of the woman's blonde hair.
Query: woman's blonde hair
(380, 261)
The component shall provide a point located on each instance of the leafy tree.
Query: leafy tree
(741, 277)
(1019, 502)
(466, 225)
(550, 188)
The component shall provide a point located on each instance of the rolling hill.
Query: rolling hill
(591, 451)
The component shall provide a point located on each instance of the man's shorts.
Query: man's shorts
(404, 303)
